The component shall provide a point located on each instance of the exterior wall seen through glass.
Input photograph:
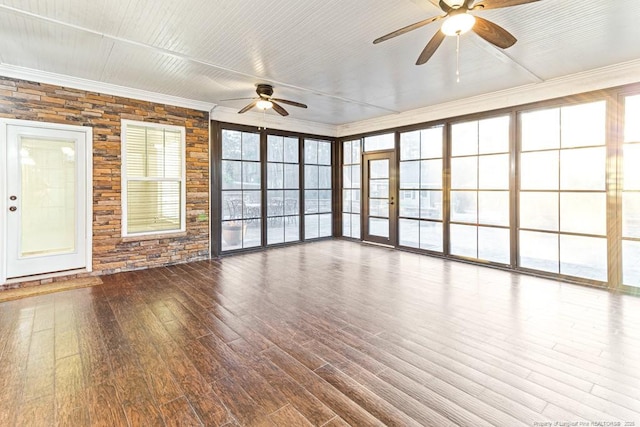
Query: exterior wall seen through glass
(479, 207)
(631, 193)
(317, 189)
(241, 190)
(563, 224)
(283, 189)
(351, 193)
(420, 201)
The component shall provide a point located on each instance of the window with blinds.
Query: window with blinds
(153, 183)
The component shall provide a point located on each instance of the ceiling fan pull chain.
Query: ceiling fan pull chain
(458, 58)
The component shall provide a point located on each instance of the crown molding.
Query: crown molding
(272, 121)
(105, 88)
(600, 78)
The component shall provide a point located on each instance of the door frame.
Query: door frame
(393, 197)
(4, 197)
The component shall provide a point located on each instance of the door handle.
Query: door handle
(13, 209)
(391, 200)
(12, 198)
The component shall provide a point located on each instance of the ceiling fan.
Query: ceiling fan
(264, 101)
(458, 21)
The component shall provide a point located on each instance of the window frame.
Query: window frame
(125, 179)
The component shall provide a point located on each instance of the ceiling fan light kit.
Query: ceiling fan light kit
(458, 24)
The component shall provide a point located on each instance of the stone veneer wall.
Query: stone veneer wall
(111, 252)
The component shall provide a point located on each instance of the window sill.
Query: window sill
(143, 237)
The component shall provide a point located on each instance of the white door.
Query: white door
(46, 216)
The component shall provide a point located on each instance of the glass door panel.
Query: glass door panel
(379, 192)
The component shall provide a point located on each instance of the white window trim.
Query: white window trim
(125, 179)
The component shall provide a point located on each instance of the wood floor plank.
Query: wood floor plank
(179, 413)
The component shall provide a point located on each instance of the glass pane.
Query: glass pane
(325, 225)
(379, 189)
(583, 124)
(346, 225)
(464, 173)
(379, 207)
(539, 211)
(311, 227)
(232, 234)
(346, 153)
(410, 145)
(324, 201)
(310, 151)
(464, 240)
(250, 176)
(357, 152)
(464, 139)
(431, 236)
(250, 146)
(291, 176)
(464, 206)
(494, 245)
(539, 251)
(231, 144)
(356, 201)
(291, 202)
(431, 204)
(291, 150)
(231, 175)
(583, 213)
(583, 169)
(631, 177)
(431, 143)
(291, 229)
(275, 231)
(253, 234)
(346, 177)
(493, 208)
(275, 175)
(380, 142)
(231, 205)
(539, 171)
(494, 172)
(275, 148)
(48, 199)
(431, 174)
(378, 169)
(151, 206)
(154, 153)
(494, 135)
(310, 201)
(252, 204)
(355, 176)
(324, 176)
(409, 233)
(631, 214)
(410, 203)
(355, 226)
(410, 175)
(379, 227)
(631, 122)
(275, 203)
(584, 257)
(311, 179)
(324, 153)
(540, 129)
(346, 200)
(631, 263)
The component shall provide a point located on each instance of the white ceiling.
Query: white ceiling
(318, 52)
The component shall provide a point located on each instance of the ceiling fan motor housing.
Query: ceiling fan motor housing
(264, 90)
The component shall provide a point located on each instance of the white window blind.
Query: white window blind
(153, 178)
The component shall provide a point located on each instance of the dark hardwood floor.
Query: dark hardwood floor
(331, 333)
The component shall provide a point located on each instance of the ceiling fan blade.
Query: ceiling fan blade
(248, 107)
(406, 29)
(235, 99)
(496, 4)
(493, 33)
(285, 101)
(278, 109)
(445, 6)
(431, 47)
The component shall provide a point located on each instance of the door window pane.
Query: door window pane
(494, 172)
(379, 227)
(539, 211)
(631, 263)
(494, 135)
(631, 214)
(431, 174)
(584, 213)
(410, 174)
(583, 169)
(584, 124)
(494, 244)
(583, 257)
(351, 186)
(539, 171)
(464, 141)
(493, 208)
(464, 206)
(431, 236)
(464, 173)
(540, 129)
(464, 240)
(431, 143)
(431, 205)
(539, 251)
(631, 177)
